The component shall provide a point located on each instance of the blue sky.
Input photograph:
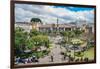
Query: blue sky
(75, 8)
(79, 9)
(49, 14)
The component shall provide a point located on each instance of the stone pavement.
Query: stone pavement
(55, 52)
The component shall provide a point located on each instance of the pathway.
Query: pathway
(55, 52)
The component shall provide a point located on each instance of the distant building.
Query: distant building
(47, 27)
(87, 28)
(27, 26)
(54, 27)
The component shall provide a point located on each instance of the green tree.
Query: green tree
(30, 44)
(20, 40)
(77, 32)
(38, 41)
(41, 40)
(67, 35)
(34, 32)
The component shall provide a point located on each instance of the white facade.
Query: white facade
(26, 26)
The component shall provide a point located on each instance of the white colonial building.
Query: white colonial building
(27, 26)
(44, 27)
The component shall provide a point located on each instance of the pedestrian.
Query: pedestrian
(81, 59)
(64, 57)
(51, 58)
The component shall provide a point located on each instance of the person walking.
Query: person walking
(64, 57)
(51, 58)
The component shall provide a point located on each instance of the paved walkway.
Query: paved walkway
(55, 52)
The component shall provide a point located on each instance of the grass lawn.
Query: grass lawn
(89, 53)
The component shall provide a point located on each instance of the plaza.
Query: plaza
(64, 46)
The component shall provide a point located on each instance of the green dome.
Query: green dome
(36, 20)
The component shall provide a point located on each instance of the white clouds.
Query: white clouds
(49, 14)
(86, 15)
